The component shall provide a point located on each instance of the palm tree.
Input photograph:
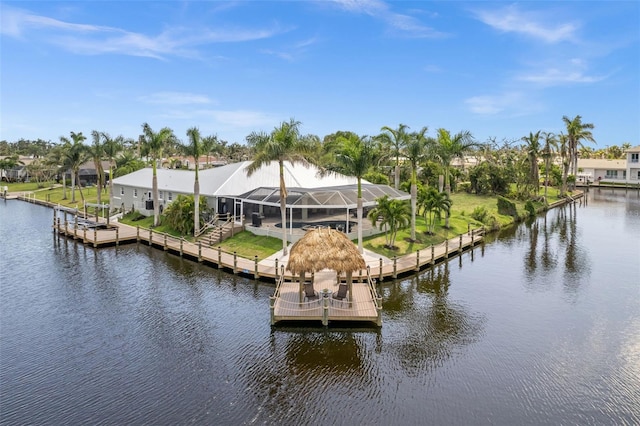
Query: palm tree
(576, 131)
(396, 140)
(153, 144)
(563, 148)
(433, 203)
(284, 143)
(550, 145)
(532, 148)
(416, 151)
(354, 157)
(112, 147)
(210, 145)
(96, 152)
(195, 148)
(75, 154)
(449, 147)
(393, 215)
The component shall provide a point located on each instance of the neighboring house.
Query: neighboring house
(633, 164)
(597, 170)
(19, 173)
(228, 189)
(88, 175)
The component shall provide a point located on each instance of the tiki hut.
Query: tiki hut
(325, 248)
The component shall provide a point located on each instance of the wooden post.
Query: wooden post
(84, 235)
(418, 260)
(379, 309)
(181, 241)
(433, 255)
(54, 219)
(66, 227)
(75, 227)
(325, 311)
(117, 236)
(235, 262)
(380, 271)
(472, 235)
(199, 251)
(255, 265)
(138, 233)
(276, 266)
(460, 247)
(219, 257)
(272, 304)
(395, 267)
(95, 237)
(165, 243)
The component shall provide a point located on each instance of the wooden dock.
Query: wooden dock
(363, 303)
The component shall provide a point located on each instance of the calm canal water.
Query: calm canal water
(540, 326)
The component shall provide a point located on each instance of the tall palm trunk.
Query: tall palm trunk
(283, 208)
(359, 214)
(447, 189)
(397, 175)
(73, 186)
(196, 208)
(414, 200)
(64, 185)
(154, 189)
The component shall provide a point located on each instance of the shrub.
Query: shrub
(465, 186)
(530, 208)
(507, 207)
(480, 214)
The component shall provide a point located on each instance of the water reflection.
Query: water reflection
(439, 326)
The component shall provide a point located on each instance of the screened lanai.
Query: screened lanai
(308, 206)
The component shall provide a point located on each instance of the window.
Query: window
(170, 196)
(638, 174)
(122, 190)
(161, 195)
(135, 192)
(634, 157)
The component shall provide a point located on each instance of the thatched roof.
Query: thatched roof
(324, 248)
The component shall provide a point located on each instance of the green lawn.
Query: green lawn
(248, 245)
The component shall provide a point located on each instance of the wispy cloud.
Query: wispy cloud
(400, 24)
(95, 39)
(291, 53)
(508, 103)
(533, 24)
(175, 98)
(573, 72)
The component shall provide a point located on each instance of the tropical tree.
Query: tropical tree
(96, 152)
(284, 143)
(354, 157)
(112, 147)
(416, 150)
(433, 203)
(449, 147)
(210, 146)
(550, 146)
(127, 163)
(153, 143)
(563, 148)
(532, 149)
(393, 215)
(195, 149)
(179, 214)
(576, 132)
(75, 154)
(9, 163)
(395, 139)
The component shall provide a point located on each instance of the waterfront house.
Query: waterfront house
(250, 199)
(633, 164)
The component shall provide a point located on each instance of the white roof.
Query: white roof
(596, 163)
(232, 179)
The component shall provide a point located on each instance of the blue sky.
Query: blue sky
(497, 69)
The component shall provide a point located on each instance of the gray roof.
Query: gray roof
(342, 196)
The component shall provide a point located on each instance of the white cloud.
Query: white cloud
(535, 25)
(508, 103)
(94, 39)
(572, 72)
(401, 24)
(175, 98)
